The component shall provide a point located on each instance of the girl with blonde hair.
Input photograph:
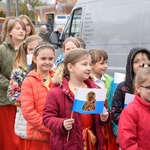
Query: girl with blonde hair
(133, 127)
(18, 74)
(15, 34)
(84, 129)
(69, 44)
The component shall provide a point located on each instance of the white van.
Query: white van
(113, 25)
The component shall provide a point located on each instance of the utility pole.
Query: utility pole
(17, 8)
(8, 8)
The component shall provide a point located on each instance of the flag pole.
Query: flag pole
(69, 130)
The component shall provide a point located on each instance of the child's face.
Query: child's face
(44, 60)
(144, 90)
(138, 61)
(99, 68)
(82, 69)
(17, 33)
(31, 46)
(69, 46)
(28, 27)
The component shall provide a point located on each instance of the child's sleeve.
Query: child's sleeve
(4, 82)
(127, 131)
(14, 87)
(117, 104)
(51, 116)
(110, 95)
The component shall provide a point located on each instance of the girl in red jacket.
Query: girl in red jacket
(34, 90)
(84, 130)
(134, 127)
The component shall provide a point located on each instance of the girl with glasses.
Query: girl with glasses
(134, 128)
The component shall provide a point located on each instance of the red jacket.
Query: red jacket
(58, 107)
(33, 96)
(134, 126)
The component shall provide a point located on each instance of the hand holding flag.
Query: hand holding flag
(104, 116)
(68, 124)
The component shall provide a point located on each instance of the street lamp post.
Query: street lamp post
(17, 8)
(8, 8)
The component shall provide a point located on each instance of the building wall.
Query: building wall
(43, 14)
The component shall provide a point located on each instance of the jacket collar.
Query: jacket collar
(33, 73)
(145, 104)
(66, 90)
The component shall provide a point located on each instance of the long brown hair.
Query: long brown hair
(30, 23)
(10, 26)
(4, 27)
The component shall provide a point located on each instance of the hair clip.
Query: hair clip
(43, 45)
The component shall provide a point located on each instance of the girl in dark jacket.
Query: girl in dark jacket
(136, 59)
(84, 130)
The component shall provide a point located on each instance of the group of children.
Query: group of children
(43, 96)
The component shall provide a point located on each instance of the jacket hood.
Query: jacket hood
(34, 74)
(129, 66)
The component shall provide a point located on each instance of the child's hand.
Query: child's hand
(104, 116)
(68, 124)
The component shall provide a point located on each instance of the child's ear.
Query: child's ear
(69, 66)
(137, 88)
(34, 59)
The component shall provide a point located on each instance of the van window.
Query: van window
(73, 25)
(76, 21)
